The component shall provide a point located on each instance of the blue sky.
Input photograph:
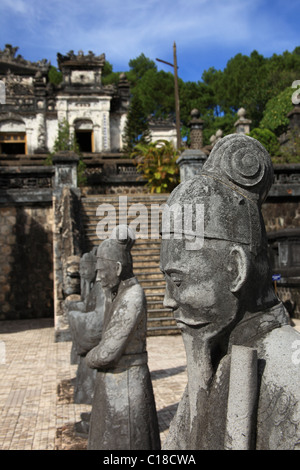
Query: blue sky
(207, 32)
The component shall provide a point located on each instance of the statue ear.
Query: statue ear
(119, 268)
(238, 267)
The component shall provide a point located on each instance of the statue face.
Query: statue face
(87, 270)
(71, 279)
(108, 273)
(198, 285)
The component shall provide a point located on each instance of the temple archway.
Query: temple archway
(13, 137)
(83, 129)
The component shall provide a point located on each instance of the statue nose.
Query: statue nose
(169, 302)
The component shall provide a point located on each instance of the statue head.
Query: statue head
(88, 266)
(114, 261)
(71, 278)
(217, 268)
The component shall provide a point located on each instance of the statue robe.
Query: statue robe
(86, 329)
(123, 413)
(277, 415)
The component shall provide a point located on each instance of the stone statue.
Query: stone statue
(87, 276)
(243, 389)
(123, 410)
(87, 273)
(71, 278)
(86, 322)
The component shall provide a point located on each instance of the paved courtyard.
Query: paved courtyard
(36, 400)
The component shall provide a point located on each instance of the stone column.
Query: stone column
(67, 243)
(294, 117)
(65, 164)
(242, 125)
(105, 132)
(190, 163)
(196, 127)
(29, 140)
(97, 138)
(192, 160)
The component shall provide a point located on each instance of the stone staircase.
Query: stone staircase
(145, 253)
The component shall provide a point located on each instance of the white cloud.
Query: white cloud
(123, 29)
(17, 6)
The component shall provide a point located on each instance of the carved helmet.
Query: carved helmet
(117, 247)
(232, 186)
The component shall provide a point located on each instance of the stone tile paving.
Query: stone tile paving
(36, 404)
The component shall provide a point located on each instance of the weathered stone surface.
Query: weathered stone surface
(123, 410)
(222, 295)
(86, 323)
(26, 261)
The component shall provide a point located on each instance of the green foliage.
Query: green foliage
(81, 177)
(108, 76)
(107, 69)
(54, 75)
(243, 84)
(261, 85)
(212, 123)
(65, 141)
(290, 153)
(157, 163)
(246, 81)
(267, 138)
(155, 91)
(139, 66)
(136, 128)
(276, 110)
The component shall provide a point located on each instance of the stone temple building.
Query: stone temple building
(47, 222)
(33, 106)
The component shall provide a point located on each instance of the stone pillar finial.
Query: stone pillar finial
(242, 125)
(196, 128)
(65, 164)
(294, 117)
(190, 163)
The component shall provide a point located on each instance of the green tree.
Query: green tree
(108, 76)
(66, 141)
(136, 128)
(138, 67)
(156, 162)
(212, 123)
(155, 91)
(243, 84)
(251, 81)
(267, 138)
(54, 75)
(275, 114)
(290, 153)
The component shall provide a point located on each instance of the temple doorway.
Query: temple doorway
(13, 143)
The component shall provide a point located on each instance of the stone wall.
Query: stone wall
(290, 296)
(26, 272)
(281, 215)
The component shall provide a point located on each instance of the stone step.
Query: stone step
(161, 316)
(163, 330)
(145, 253)
(162, 321)
(146, 199)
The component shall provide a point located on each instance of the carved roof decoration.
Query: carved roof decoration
(160, 122)
(80, 60)
(10, 61)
